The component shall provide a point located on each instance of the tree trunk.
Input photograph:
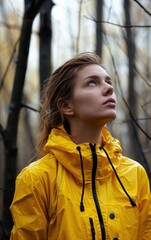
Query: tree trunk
(135, 145)
(45, 42)
(99, 27)
(10, 134)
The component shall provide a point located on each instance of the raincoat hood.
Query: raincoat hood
(65, 151)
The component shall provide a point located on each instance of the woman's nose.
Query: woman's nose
(108, 90)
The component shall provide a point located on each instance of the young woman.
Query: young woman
(82, 187)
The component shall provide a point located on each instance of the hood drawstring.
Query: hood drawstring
(133, 204)
(83, 180)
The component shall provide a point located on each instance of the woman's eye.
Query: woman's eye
(109, 82)
(91, 83)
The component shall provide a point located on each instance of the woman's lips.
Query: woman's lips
(110, 101)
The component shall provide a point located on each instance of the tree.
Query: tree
(132, 97)
(10, 133)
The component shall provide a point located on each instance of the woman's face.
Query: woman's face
(93, 97)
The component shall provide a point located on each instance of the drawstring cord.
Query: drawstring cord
(133, 204)
(83, 180)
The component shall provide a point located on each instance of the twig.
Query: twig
(28, 107)
(118, 25)
(9, 63)
(143, 107)
(138, 119)
(147, 103)
(136, 70)
(10, 26)
(15, 27)
(142, 7)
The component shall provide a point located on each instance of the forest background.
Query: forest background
(35, 38)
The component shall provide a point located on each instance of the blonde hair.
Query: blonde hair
(60, 85)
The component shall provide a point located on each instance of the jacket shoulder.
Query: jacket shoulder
(134, 171)
(132, 163)
(39, 176)
(44, 166)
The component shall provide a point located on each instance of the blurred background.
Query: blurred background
(36, 37)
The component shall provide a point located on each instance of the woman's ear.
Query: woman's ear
(65, 107)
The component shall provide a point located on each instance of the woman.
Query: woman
(82, 187)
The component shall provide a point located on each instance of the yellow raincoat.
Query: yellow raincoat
(81, 192)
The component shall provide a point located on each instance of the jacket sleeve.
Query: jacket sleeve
(145, 208)
(29, 208)
(147, 233)
(147, 223)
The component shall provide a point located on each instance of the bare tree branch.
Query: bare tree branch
(143, 107)
(142, 7)
(10, 26)
(147, 103)
(9, 63)
(29, 107)
(136, 70)
(15, 27)
(138, 119)
(118, 25)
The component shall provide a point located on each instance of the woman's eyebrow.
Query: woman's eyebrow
(91, 76)
(108, 78)
(96, 77)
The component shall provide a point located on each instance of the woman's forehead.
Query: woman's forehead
(92, 70)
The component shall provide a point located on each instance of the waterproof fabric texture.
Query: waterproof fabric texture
(46, 204)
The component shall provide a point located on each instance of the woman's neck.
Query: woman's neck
(81, 134)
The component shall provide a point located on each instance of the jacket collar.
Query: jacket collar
(65, 151)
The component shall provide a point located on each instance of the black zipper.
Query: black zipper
(92, 228)
(94, 156)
